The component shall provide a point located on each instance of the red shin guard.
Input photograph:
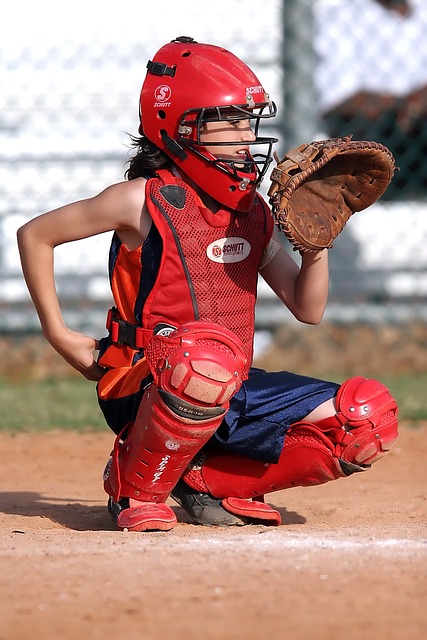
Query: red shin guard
(196, 371)
(363, 429)
(148, 461)
(307, 459)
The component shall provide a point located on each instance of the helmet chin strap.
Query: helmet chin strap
(173, 146)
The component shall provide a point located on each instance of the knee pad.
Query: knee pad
(202, 363)
(365, 425)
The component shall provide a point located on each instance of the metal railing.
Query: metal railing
(65, 115)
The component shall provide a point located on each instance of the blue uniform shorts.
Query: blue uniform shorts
(260, 412)
(264, 408)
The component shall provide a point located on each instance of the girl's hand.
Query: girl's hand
(77, 349)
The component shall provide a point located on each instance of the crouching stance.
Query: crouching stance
(362, 430)
(196, 370)
(192, 235)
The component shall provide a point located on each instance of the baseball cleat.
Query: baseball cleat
(203, 508)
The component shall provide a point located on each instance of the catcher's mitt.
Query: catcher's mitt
(317, 187)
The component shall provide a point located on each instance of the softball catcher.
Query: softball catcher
(314, 191)
(194, 420)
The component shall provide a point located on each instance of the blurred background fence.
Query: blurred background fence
(69, 99)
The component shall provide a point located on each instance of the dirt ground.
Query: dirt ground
(348, 561)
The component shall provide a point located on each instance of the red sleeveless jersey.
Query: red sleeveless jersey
(208, 268)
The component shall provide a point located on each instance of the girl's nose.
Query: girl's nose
(248, 134)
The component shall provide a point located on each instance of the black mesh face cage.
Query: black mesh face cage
(257, 162)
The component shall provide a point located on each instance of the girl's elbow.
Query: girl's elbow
(24, 239)
(309, 317)
(23, 231)
(20, 235)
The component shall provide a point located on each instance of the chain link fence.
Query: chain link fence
(68, 102)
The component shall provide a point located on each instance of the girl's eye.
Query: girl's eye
(240, 123)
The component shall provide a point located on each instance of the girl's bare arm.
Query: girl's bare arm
(304, 290)
(119, 208)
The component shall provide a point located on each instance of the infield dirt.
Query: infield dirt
(348, 562)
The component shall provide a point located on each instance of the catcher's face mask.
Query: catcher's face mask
(189, 85)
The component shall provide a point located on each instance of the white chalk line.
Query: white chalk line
(311, 542)
(222, 543)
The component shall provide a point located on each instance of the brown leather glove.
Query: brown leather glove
(316, 187)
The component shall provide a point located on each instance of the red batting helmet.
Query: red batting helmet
(188, 84)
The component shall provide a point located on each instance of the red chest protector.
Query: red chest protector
(209, 265)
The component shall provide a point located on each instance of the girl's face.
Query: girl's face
(237, 133)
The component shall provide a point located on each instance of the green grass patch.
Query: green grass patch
(68, 403)
(410, 392)
(71, 403)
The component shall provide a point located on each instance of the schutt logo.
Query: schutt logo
(228, 250)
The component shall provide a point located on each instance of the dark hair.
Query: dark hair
(147, 159)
